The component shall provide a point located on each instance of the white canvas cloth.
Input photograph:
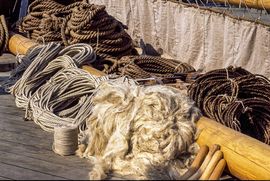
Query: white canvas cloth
(207, 40)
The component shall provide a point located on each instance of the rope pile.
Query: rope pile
(78, 22)
(52, 89)
(235, 98)
(4, 35)
(140, 131)
(149, 66)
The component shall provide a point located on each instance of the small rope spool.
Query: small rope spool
(65, 140)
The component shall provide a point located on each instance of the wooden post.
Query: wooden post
(246, 157)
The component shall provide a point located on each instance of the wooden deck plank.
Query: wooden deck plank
(15, 172)
(5, 178)
(41, 166)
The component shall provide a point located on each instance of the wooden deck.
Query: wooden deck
(25, 149)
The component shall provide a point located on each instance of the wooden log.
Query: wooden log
(19, 44)
(246, 157)
(257, 4)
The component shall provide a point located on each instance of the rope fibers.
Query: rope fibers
(147, 132)
(237, 99)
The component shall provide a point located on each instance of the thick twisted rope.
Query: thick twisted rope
(235, 98)
(148, 66)
(4, 35)
(77, 22)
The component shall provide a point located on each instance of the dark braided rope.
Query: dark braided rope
(237, 99)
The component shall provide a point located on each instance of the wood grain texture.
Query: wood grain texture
(246, 158)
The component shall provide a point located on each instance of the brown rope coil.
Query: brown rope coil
(148, 66)
(78, 22)
(4, 35)
(236, 98)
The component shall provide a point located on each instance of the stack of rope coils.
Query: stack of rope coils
(148, 66)
(78, 22)
(235, 98)
(4, 35)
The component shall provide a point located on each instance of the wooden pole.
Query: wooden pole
(257, 4)
(246, 157)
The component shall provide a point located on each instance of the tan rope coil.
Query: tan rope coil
(140, 131)
(77, 22)
(148, 66)
(4, 35)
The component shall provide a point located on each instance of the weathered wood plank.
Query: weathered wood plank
(5, 178)
(18, 173)
(25, 139)
(44, 155)
(44, 167)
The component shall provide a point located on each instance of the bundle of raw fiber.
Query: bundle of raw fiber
(235, 98)
(149, 66)
(4, 35)
(77, 22)
(147, 132)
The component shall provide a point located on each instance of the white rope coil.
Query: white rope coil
(21, 90)
(141, 131)
(64, 99)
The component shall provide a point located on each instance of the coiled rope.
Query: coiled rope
(53, 90)
(77, 22)
(148, 66)
(4, 35)
(235, 98)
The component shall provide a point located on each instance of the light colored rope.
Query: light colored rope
(64, 99)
